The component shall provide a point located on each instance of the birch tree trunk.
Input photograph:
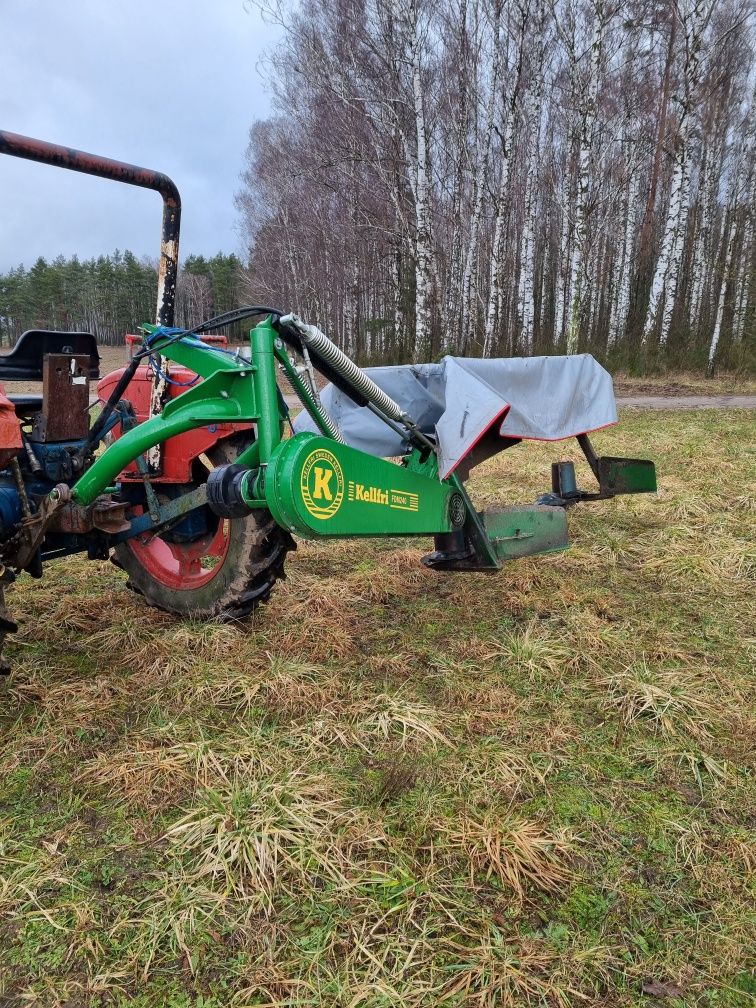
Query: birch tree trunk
(742, 283)
(526, 286)
(704, 226)
(665, 252)
(562, 268)
(481, 171)
(738, 186)
(645, 250)
(587, 120)
(675, 258)
(423, 247)
(713, 238)
(452, 324)
(510, 105)
(694, 16)
(723, 283)
(618, 322)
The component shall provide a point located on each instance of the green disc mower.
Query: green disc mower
(191, 480)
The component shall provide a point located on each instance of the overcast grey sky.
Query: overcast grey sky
(167, 84)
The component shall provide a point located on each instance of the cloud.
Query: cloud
(168, 84)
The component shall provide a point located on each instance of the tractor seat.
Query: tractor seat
(24, 362)
(25, 403)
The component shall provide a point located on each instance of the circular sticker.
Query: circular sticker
(322, 484)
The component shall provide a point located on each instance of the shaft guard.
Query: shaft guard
(315, 486)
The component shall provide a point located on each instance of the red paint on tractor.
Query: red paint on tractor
(10, 430)
(183, 566)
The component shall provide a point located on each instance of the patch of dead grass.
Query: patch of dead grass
(534, 652)
(273, 683)
(669, 700)
(497, 973)
(256, 836)
(153, 769)
(397, 717)
(518, 852)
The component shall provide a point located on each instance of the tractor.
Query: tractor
(184, 473)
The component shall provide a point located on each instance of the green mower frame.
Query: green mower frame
(316, 486)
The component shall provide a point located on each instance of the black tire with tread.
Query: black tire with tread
(245, 577)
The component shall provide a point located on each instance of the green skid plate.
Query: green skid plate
(523, 531)
(626, 476)
(315, 486)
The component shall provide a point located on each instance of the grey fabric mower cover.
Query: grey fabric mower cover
(463, 400)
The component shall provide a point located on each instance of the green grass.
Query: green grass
(400, 788)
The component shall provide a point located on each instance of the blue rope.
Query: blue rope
(171, 381)
(188, 340)
(161, 331)
(193, 341)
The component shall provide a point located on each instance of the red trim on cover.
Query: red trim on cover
(521, 437)
(482, 434)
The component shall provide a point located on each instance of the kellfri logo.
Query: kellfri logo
(403, 500)
(322, 484)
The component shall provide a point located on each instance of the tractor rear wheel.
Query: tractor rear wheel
(225, 572)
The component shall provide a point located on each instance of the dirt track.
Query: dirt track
(661, 402)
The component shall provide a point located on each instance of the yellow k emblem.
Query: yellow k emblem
(321, 482)
(322, 479)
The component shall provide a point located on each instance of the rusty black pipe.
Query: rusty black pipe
(92, 164)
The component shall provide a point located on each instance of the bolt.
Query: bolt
(278, 343)
(224, 394)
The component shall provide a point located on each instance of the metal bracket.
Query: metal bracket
(167, 514)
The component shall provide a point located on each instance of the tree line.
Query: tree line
(510, 176)
(112, 295)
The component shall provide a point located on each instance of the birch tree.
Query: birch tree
(624, 274)
(694, 17)
(738, 188)
(433, 177)
(745, 273)
(423, 248)
(480, 176)
(531, 137)
(510, 106)
(586, 91)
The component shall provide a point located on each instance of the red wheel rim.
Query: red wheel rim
(184, 566)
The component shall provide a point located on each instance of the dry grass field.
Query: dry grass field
(398, 788)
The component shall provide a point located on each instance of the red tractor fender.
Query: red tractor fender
(179, 452)
(10, 429)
